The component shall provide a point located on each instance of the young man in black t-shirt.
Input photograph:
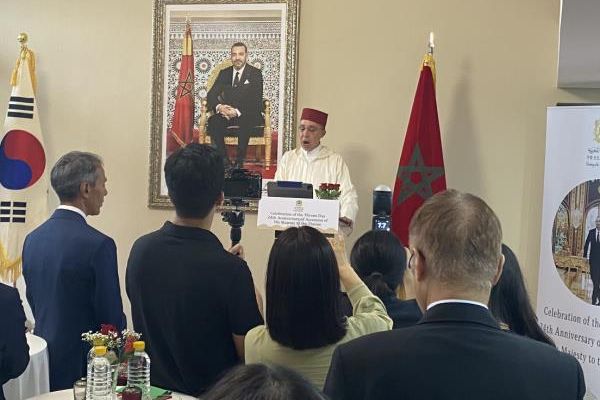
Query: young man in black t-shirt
(192, 300)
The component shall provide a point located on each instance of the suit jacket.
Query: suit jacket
(14, 350)
(592, 248)
(247, 97)
(457, 351)
(72, 282)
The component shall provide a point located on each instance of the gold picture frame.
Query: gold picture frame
(269, 27)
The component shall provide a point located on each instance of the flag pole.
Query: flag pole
(428, 60)
(431, 44)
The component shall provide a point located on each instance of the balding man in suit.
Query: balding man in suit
(457, 350)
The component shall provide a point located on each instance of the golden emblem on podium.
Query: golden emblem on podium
(597, 131)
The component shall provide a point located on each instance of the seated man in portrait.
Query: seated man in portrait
(236, 101)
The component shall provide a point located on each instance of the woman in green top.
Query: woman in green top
(304, 321)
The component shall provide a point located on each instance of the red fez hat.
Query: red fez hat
(310, 114)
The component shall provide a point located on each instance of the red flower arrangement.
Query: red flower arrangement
(119, 344)
(328, 191)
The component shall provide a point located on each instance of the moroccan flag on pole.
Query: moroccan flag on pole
(421, 168)
(181, 131)
(23, 178)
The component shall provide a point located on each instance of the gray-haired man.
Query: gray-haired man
(70, 269)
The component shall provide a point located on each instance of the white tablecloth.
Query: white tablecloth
(35, 380)
(68, 395)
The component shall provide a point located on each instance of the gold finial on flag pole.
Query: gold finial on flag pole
(27, 55)
(22, 38)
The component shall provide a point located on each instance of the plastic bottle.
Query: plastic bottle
(98, 376)
(91, 353)
(138, 369)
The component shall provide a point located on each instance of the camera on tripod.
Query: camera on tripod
(240, 187)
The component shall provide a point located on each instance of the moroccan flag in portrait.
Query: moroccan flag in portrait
(23, 177)
(181, 131)
(421, 168)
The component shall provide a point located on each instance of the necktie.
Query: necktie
(236, 81)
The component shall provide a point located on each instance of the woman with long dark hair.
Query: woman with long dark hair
(379, 258)
(509, 301)
(305, 321)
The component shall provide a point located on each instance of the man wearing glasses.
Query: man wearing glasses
(314, 163)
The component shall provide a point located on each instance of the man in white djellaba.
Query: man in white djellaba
(315, 163)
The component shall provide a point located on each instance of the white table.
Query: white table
(35, 380)
(68, 395)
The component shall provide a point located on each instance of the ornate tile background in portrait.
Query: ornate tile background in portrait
(269, 28)
(212, 45)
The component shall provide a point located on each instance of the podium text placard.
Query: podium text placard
(282, 213)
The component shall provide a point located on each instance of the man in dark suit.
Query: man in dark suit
(14, 351)
(191, 299)
(70, 269)
(592, 248)
(236, 101)
(457, 350)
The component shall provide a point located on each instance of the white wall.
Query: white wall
(357, 61)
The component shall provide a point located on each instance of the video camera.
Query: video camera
(242, 185)
(239, 188)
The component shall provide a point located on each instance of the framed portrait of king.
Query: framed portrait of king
(223, 74)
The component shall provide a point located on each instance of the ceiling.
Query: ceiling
(579, 47)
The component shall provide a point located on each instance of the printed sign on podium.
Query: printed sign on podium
(281, 213)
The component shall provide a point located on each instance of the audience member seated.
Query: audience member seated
(509, 301)
(263, 382)
(304, 321)
(457, 351)
(192, 300)
(71, 270)
(14, 351)
(380, 260)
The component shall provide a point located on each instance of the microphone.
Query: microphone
(382, 208)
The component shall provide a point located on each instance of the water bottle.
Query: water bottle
(138, 369)
(98, 376)
(91, 353)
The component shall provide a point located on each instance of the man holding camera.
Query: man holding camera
(190, 298)
(314, 163)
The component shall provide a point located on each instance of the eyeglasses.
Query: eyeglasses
(413, 253)
(311, 129)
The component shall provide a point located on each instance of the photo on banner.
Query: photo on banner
(194, 83)
(568, 302)
(576, 240)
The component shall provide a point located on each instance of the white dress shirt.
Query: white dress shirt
(235, 71)
(71, 208)
(476, 303)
